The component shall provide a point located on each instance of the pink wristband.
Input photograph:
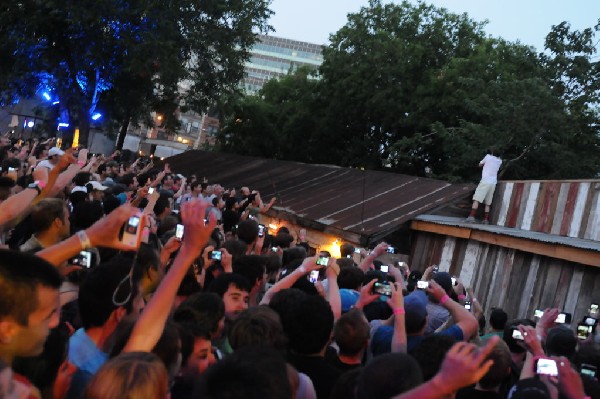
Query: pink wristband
(81, 163)
(399, 311)
(461, 297)
(444, 299)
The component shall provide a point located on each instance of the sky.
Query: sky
(528, 21)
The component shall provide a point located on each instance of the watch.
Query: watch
(35, 187)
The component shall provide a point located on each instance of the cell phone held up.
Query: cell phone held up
(323, 261)
(132, 231)
(261, 230)
(546, 367)
(382, 288)
(215, 255)
(84, 259)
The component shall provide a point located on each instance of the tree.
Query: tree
(77, 50)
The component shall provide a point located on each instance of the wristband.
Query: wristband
(474, 300)
(399, 311)
(84, 240)
(81, 163)
(444, 299)
(461, 297)
(40, 183)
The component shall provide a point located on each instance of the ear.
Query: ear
(8, 329)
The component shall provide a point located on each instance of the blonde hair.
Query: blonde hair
(133, 375)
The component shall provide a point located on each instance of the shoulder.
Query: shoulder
(455, 331)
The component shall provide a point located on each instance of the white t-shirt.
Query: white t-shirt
(491, 165)
(46, 164)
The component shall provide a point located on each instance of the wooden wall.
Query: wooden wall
(566, 208)
(518, 282)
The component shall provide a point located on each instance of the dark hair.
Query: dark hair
(430, 353)
(350, 278)
(204, 308)
(387, 376)
(346, 249)
(498, 319)
(307, 324)
(282, 240)
(82, 178)
(497, 374)
(127, 179)
(252, 267)
(97, 290)
(236, 248)
(292, 254)
(260, 325)
(45, 212)
(85, 214)
(351, 332)
(20, 276)
(252, 373)
(188, 333)
(247, 231)
(221, 284)
(162, 203)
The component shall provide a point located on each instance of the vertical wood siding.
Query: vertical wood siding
(517, 281)
(567, 208)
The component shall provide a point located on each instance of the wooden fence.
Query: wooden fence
(517, 281)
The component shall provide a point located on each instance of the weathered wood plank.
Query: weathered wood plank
(505, 205)
(447, 254)
(569, 209)
(578, 210)
(530, 206)
(560, 208)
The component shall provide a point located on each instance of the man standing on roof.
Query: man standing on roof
(485, 190)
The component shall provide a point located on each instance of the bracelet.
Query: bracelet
(399, 311)
(461, 297)
(81, 163)
(303, 269)
(444, 299)
(84, 240)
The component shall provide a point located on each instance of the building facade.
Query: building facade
(273, 57)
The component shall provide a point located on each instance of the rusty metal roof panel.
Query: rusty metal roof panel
(327, 194)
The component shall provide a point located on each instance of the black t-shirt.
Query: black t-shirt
(230, 219)
(472, 393)
(323, 375)
(334, 360)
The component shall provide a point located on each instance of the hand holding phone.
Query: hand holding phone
(384, 268)
(546, 367)
(422, 285)
(323, 261)
(313, 276)
(382, 288)
(215, 255)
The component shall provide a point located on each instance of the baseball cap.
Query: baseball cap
(529, 388)
(55, 151)
(444, 280)
(97, 186)
(416, 304)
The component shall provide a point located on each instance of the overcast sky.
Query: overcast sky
(526, 20)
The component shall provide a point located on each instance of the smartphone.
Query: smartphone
(382, 289)
(205, 221)
(356, 250)
(545, 366)
(588, 369)
(468, 305)
(436, 269)
(584, 331)
(422, 285)
(563, 318)
(323, 261)
(313, 277)
(215, 255)
(516, 334)
(384, 268)
(590, 321)
(150, 190)
(261, 230)
(84, 259)
(179, 232)
(274, 249)
(538, 313)
(593, 309)
(132, 232)
(12, 169)
(391, 250)
(454, 281)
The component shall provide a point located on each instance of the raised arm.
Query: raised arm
(307, 266)
(333, 289)
(464, 319)
(150, 325)
(367, 262)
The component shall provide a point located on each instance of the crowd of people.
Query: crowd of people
(119, 279)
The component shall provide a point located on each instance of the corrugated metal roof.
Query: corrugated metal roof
(514, 232)
(328, 195)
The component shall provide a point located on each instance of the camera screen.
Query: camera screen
(151, 190)
(356, 250)
(382, 289)
(322, 261)
(261, 230)
(468, 305)
(179, 231)
(391, 250)
(589, 370)
(546, 367)
(583, 331)
(84, 259)
(133, 224)
(313, 277)
(422, 285)
(453, 280)
(590, 321)
(538, 313)
(385, 268)
(215, 255)
(517, 335)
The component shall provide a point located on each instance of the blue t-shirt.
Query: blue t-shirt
(382, 339)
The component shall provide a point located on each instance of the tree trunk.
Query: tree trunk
(84, 130)
(123, 132)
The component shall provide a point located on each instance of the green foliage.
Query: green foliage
(129, 57)
(419, 90)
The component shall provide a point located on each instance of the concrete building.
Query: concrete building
(273, 57)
